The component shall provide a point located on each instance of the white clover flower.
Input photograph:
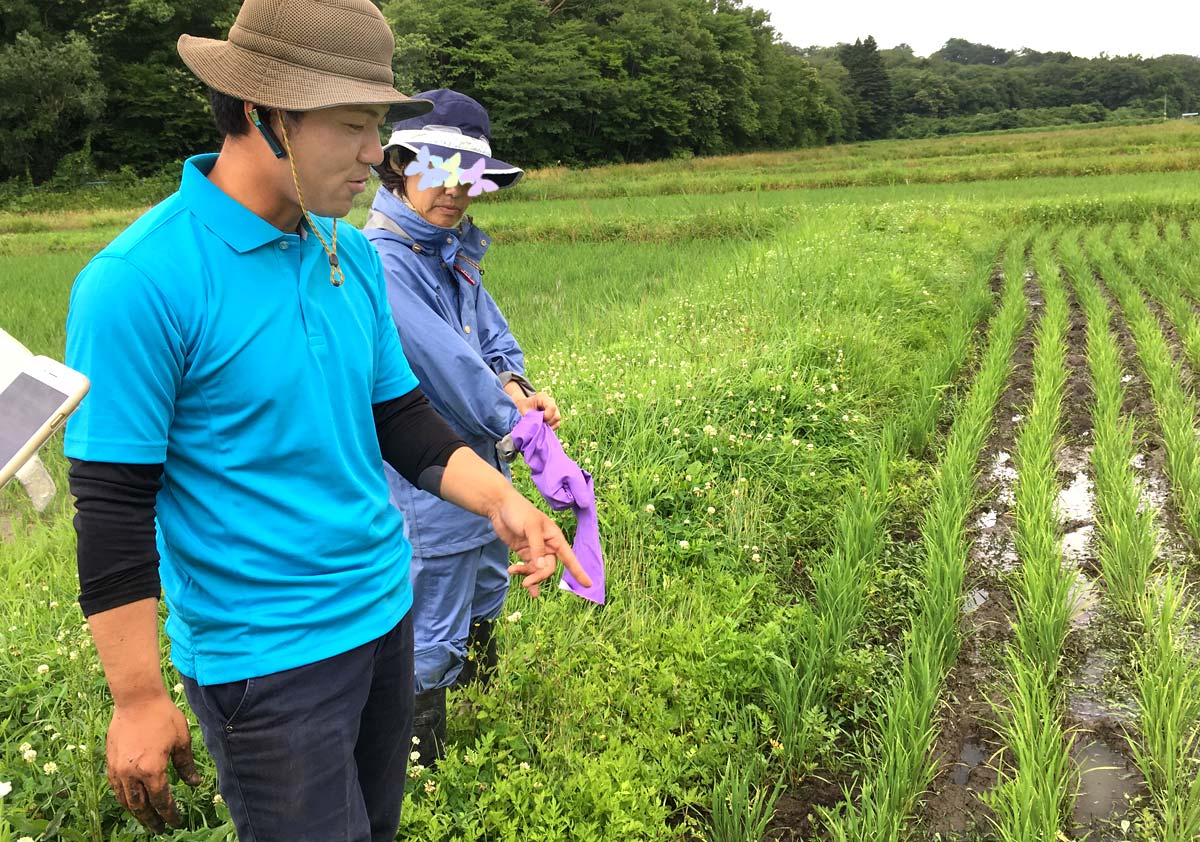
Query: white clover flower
(43, 669)
(712, 510)
(756, 557)
(514, 617)
(809, 446)
(414, 756)
(50, 768)
(430, 787)
(524, 766)
(683, 545)
(650, 508)
(416, 740)
(25, 839)
(29, 755)
(5, 788)
(54, 603)
(218, 800)
(26, 746)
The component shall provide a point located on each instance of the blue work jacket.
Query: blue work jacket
(458, 344)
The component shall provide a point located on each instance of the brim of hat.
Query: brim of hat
(505, 175)
(272, 83)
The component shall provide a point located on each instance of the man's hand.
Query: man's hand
(143, 736)
(542, 401)
(147, 729)
(536, 539)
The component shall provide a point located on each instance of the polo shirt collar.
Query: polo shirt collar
(229, 219)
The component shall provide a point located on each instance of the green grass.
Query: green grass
(776, 388)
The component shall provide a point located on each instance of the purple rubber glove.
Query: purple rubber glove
(564, 485)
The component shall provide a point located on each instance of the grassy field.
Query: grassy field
(898, 483)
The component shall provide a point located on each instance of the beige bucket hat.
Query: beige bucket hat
(300, 55)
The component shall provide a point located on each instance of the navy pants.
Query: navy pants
(317, 753)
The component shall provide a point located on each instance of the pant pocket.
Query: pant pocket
(229, 702)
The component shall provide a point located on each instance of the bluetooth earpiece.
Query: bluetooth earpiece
(267, 134)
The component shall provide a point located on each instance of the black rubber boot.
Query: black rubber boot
(481, 655)
(429, 726)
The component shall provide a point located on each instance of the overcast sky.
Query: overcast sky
(1147, 27)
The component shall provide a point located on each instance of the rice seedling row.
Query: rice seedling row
(1127, 533)
(1176, 410)
(1166, 746)
(1163, 277)
(1149, 594)
(801, 677)
(898, 767)
(1031, 800)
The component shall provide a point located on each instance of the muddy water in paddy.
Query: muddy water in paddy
(967, 747)
(1098, 708)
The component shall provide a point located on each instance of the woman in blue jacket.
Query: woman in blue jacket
(473, 371)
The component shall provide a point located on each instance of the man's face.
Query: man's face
(334, 150)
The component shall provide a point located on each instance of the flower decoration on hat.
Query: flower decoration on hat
(438, 172)
(452, 145)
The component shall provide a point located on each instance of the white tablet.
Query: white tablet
(32, 407)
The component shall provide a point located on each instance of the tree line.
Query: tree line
(95, 86)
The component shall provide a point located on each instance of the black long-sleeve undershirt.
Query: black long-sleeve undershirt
(114, 502)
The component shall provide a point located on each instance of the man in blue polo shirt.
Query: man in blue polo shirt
(247, 386)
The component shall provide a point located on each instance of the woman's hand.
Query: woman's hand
(542, 401)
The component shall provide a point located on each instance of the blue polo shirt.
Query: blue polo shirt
(217, 346)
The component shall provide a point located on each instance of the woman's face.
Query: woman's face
(441, 206)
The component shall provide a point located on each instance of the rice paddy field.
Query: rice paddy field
(897, 461)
